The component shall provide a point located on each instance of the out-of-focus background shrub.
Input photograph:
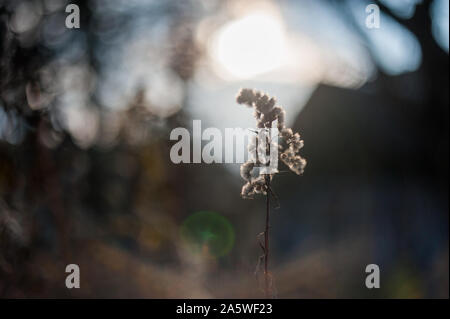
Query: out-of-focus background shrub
(85, 173)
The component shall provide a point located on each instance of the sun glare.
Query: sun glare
(251, 45)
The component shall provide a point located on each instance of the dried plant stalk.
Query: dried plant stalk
(267, 112)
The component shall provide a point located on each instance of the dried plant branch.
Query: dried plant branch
(267, 112)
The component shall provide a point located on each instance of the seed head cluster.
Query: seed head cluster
(265, 112)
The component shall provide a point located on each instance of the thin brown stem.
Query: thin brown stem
(266, 239)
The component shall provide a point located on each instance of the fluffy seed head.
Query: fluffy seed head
(265, 112)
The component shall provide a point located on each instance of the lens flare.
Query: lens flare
(208, 232)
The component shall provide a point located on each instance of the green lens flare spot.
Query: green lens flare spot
(208, 232)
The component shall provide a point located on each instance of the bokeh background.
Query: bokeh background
(86, 177)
